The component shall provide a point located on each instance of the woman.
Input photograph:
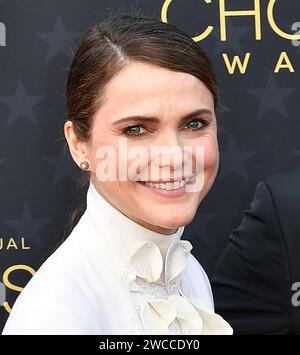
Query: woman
(135, 84)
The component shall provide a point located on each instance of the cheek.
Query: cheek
(210, 156)
(210, 165)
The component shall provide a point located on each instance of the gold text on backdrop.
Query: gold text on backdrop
(240, 63)
(224, 13)
(11, 286)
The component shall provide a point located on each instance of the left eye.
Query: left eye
(134, 130)
(195, 124)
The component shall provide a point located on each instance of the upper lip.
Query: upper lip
(165, 181)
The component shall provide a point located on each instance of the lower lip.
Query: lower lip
(167, 193)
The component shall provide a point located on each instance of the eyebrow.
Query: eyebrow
(138, 118)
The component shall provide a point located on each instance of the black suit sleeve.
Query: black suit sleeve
(251, 284)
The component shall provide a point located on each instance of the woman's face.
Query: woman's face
(172, 133)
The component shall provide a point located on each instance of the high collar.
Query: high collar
(120, 233)
(117, 238)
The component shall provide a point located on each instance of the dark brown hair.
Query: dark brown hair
(107, 47)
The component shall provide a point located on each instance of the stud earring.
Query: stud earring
(84, 165)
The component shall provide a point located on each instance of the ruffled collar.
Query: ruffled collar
(150, 262)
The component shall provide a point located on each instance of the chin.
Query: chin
(175, 221)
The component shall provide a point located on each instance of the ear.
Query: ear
(77, 147)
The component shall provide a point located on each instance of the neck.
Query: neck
(122, 233)
(153, 228)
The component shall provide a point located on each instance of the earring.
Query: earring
(84, 165)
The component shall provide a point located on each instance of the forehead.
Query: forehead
(146, 86)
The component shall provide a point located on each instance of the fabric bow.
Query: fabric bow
(146, 265)
(157, 317)
(160, 315)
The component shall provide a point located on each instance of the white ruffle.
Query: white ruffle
(165, 304)
(158, 315)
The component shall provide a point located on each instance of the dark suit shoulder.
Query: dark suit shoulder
(261, 217)
(251, 284)
(285, 192)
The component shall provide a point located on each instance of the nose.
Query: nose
(170, 154)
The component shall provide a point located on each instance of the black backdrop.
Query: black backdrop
(260, 127)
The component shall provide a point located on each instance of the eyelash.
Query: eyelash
(125, 130)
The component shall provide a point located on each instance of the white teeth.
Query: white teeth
(177, 184)
(168, 186)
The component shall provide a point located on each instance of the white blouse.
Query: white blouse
(114, 276)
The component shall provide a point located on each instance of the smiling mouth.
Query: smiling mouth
(169, 185)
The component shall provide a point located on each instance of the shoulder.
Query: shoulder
(57, 299)
(274, 209)
(260, 220)
(258, 238)
(285, 191)
(285, 188)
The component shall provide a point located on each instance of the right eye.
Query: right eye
(133, 130)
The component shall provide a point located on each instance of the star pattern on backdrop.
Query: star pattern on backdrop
(233, 160)
(272, 97)
(59, 40)
(63, 165)
(233, 41)
(37, 51)
(28, 226)
(21, 105)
